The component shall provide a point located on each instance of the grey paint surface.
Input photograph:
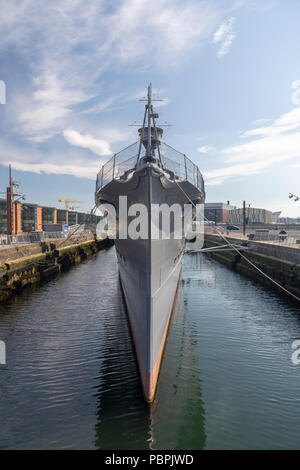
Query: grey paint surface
(149, 269)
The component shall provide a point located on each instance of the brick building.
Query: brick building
(28, 217)
(217, 212)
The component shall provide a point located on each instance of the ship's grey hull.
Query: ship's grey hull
(149, 268)
(149, 317)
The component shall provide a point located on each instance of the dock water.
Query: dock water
(280, 262)
(227, 379)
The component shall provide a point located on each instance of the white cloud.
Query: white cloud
(42, 115)
(67, 163)
(68, 44)
(262, 121)
(205, 149)
(224, 37)
(295, 98)
(80, 171)
(276, 142)
(108, 104)
(264, 147)
(117, 101)
(87, 141)
(219, 175)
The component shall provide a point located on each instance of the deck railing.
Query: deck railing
(172, 161)
(36, 237)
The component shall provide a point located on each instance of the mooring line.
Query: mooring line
(241, 254)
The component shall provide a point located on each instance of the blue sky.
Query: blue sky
(230, 71)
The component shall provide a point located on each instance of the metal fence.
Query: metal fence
(274, 238)
(172, 160)
(182, 167)
(121, 162)
(36, 237)
(27, 238)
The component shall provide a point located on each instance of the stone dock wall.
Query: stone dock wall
(279, 262)
(19, 273)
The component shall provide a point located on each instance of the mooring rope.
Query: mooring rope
(241, 254)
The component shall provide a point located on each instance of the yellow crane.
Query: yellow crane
(68, 201)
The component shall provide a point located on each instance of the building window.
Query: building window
(80, 218)
(61, 216)
(47, 215)
(3, 217)
(28, 218)
(72, 218)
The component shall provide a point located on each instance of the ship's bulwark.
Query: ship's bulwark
(149, 272)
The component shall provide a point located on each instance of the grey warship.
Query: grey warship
(151, 173)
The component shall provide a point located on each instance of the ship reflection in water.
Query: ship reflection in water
(72, 381)
(176, 418)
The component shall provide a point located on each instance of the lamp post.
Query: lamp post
(293, 196)
(10, 200)
(244, 217)
(9, 206)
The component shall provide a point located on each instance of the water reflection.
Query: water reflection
(177, 415)
(122, 415)
(176, 418)
(71, 379)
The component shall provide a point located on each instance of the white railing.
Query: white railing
(290, 239)
(27, 238)
(171, 160)
(36, 237)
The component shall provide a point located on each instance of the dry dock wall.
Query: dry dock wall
(281, 263)
(15, 252)
(29, 271)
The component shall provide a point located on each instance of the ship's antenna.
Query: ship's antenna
(155, 130)
(142, 134)
(147, 140)
(149, 119)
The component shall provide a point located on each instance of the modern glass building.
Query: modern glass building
(3, 216)
(32, 217)
(72, 218)
(61, 216)
(253, 216)
(217, 212)
(80, 218)
(47, 215)
(28, 217)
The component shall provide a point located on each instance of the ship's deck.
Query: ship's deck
(171, 160)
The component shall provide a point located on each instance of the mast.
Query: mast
(149, 140)
(149, 119)
(142, 132)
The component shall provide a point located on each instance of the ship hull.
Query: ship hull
(149, 269)
(149, 332)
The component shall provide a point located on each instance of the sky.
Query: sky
(72, 73)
